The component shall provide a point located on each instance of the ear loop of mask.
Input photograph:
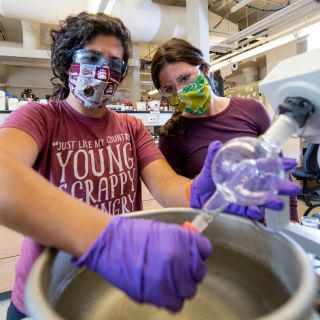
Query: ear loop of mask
(211, 82)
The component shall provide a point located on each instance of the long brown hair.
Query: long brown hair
(176, 50)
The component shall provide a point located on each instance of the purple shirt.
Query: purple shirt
(97, 160)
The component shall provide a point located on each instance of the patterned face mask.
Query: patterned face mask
(93, 79)
(195, 98)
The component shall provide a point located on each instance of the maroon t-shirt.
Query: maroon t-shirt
(186, 148)
(186, 152)
(97, 160)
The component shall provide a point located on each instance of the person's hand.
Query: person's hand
(203, 187)
(151, 261)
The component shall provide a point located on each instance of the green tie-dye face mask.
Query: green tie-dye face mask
(195, 98)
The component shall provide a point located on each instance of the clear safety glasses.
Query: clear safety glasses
(182, 81)
(83, 56)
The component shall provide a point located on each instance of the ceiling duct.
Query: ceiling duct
(47, 11)
(152, 22)
(146, 20)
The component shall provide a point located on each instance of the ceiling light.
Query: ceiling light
(265, 47)
(239, 5)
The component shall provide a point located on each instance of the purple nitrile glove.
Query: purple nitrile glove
(203, 187)
(151, 261)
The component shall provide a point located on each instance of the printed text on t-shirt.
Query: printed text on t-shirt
(100, 172)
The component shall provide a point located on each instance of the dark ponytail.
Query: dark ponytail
(175, 121)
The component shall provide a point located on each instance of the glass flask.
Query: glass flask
(245, 171)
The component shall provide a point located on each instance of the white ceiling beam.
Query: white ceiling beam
(293, 9)
(223, 5)
(239, 5)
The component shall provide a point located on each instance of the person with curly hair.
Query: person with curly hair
(181, 74)
(74, 148)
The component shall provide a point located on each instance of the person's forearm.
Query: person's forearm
(31, 205)
(168, 188)
(172, 193)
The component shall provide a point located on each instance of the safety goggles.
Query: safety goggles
(83, 56)
(182, 81)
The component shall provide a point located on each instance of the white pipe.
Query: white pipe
(30, 34)
(45, 11)
(151, 22)
(146, 20)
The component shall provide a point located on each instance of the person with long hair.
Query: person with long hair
(74, 148)
(181, 74)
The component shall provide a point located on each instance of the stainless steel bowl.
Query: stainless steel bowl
(253, 273)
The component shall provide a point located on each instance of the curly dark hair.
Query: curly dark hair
(74, 33)
(177, 50)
